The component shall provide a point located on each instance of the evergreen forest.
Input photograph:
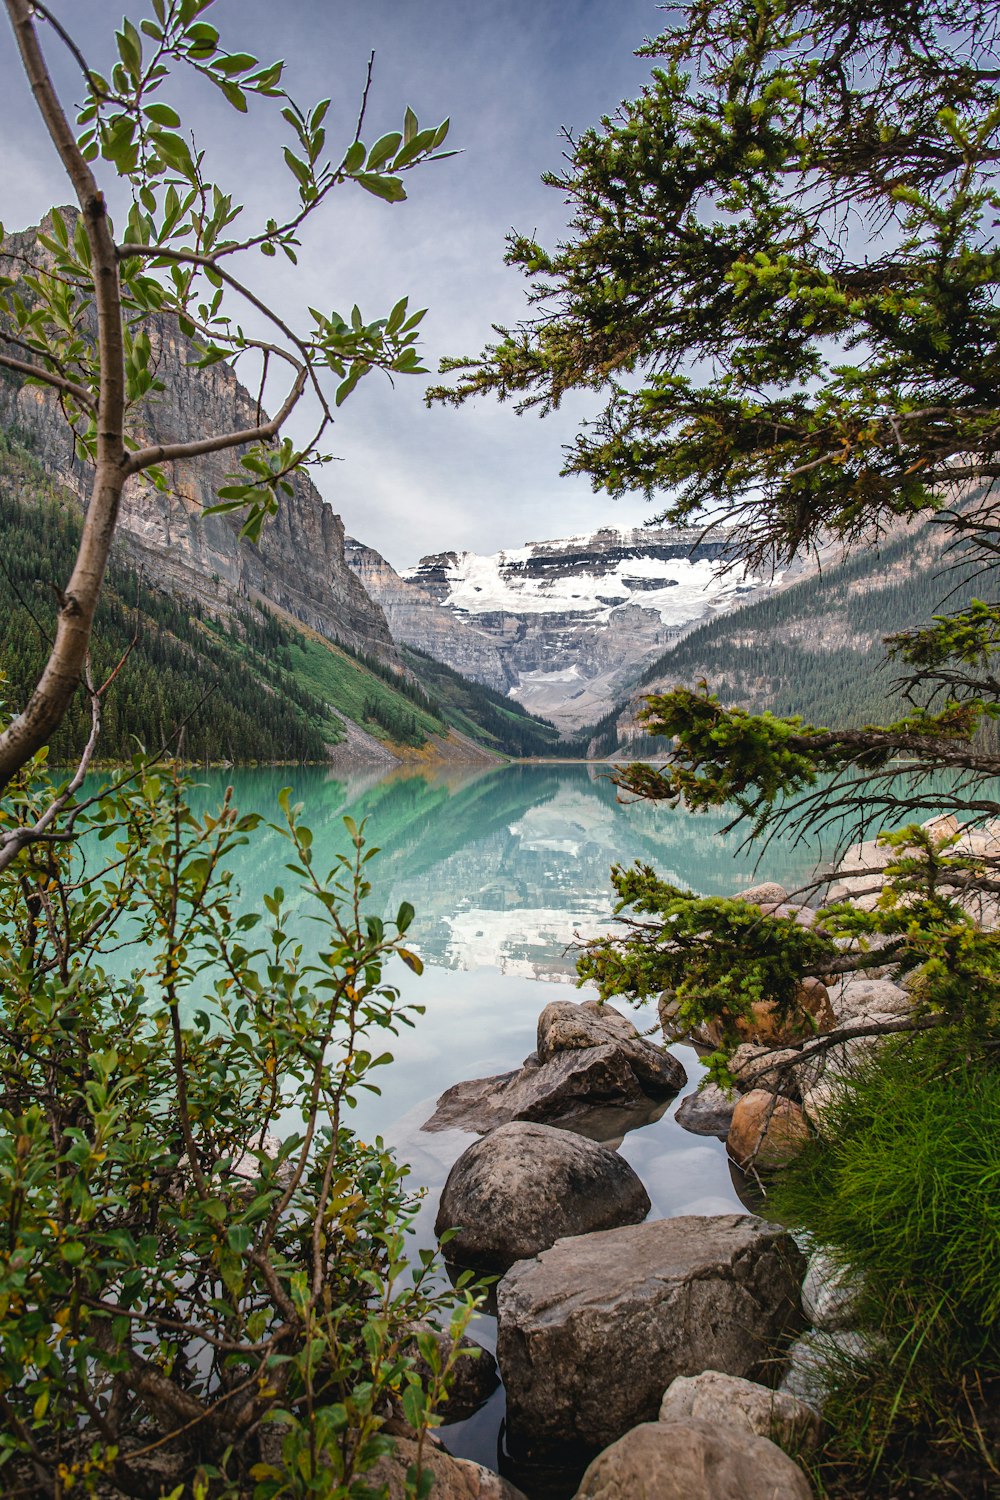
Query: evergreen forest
(185, 672)
(816, 647)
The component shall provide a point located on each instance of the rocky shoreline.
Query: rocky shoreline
(674, 1356)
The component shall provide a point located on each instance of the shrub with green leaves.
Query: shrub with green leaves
(177, 1284)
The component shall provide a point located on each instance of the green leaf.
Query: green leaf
(299, 168)
(414, 1406)
(345, 387)
(173, 150)
(233, 93)
(384, 148)
(395, 319)
(236, 62)
(239, 1237)
(202, 40)
(130, 47)
(253, 526)
(389, 188)
(224, 507)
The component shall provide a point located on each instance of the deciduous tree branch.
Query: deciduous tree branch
(49, 377)
(161, 453)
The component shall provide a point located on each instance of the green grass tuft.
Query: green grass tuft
(904, 1188)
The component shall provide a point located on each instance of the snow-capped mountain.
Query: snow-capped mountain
(588, 575)
(573, 621)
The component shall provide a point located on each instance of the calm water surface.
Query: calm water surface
(506, 868)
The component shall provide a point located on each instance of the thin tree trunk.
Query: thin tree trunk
(64, 669)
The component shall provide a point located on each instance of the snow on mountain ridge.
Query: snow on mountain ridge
(574, 620)
(591, 575)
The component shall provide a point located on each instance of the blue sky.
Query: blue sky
(510, 75)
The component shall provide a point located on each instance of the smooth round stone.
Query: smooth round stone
(516, 1191)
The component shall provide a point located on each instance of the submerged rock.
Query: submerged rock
(519, 1189)
(594, 1329)
(693, 1461)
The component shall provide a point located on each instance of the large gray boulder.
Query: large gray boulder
(569, 1085)
(693, 1461)
(593, 1330)
(730, 1401)
(565, 1027)
(518, 1190)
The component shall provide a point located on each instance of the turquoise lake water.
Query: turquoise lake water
(505, 868)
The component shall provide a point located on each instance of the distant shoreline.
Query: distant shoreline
(262, 765)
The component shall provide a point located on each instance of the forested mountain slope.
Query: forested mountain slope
(816, 647)
(253, 685)
(488, 715)
(260, 652)
(229, 683)
(298, 567)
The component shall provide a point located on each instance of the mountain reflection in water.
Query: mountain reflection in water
(504, 866)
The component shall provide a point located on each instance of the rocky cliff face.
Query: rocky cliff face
(573, 622)
(298, 567)
(416, 618)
